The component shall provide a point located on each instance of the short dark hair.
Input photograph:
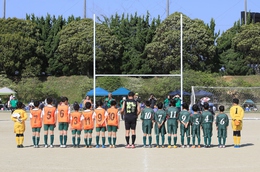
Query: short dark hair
(195, 107)
(19, 105)
(88, 105)
(76, 106)
(49, 100)
(99, 103)
(221, 108)
(236, 101)
(64, 99)
(160, 105)
(113, 103)
(131, 94)
(36, 103)
(206, 106)
(173, 102)
(185, 105)
(147, 103)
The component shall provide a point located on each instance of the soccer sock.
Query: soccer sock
(45, 139)
(157, 140)
(109, 140)
(37, 140)
(198, 140)
(103, 140)
(219, 140)
(78, 141)
(238, 140)
(150, 140)
(86, 141)
(133, 139)
(114, 140)
(175, 140)
(235, 140)
(127, 139)
(144, 140)
(33, 138)
(97, 140)
(52, 139)
(17, 140)
(169, 140)
(90, 141)
(65, 139)
(209, 139)
(188, 141)
(163, 139)
(182, 140)
(224, 141)
(193, 140)
(73, 140)
(21, 140)
(61, 139)
(205, 141)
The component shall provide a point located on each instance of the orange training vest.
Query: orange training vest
(100, 116)
(75, 121)
(49, 115)
(112, 116)
(36, 120)
(63, 113)
(88, 123)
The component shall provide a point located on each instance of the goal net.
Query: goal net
(249, 97)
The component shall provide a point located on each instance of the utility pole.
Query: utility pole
(167, 7)
(4, 9)
(245, 11)
(85, 9)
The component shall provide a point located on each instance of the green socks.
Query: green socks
(169, 140)
(157, 140)
(33, 138)
(97, 140)
(61, 139)
(114, 140)
(73, 140)
(45, 139)
(52, 139)
(103, 140)
(144, 140)
(109, 140)
(175, 140)
(150, 140)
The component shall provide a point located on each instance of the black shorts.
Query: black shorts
(130, 122)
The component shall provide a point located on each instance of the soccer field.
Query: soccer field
(121, 159)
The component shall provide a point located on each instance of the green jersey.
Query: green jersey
(184, 116)
(147, 114)
(196, 119)
(172, 114)
(13, 103)
(222, 120)
(166, 102)
(160, 116)
(108, 102)
(178, 101)
(207, 117)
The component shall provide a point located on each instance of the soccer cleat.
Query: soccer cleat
(90, 146)
(34, 146)
(114, 146)
(103, 146)
(182, 146)
(133, 146)
(150, 146)
(97, 146)
(169, 146)
(78, 146)
(223, 146)
(51, 146)
(61, 146)
(193, 146)
(188, 146)
(198, 146)
(37, 146)
(64, 146)
(127, 146)
(21, 146)
(175, 146)
(74, 146)
(110, 146)
(18, 146)
(219, 146)
(46, 146)
(163, 146)
(157, 146)
(86, 146)
(144, 146)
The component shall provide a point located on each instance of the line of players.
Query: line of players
(108, 120)
(190, 125)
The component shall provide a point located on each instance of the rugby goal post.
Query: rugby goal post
(134, 75)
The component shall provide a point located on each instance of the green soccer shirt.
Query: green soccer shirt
(222, 120)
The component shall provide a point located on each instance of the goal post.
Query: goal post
(135, 75)
(249, 97)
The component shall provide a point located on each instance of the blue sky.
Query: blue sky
(225, 12)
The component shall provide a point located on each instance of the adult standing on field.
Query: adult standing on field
(178, 101)
(13, 103)
(152, 100)
(237, 115)
(108, 100)
(131, 109)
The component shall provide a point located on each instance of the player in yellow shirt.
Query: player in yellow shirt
(19, 117)
(237, 115)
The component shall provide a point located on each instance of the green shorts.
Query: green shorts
(184, 130)
(222, 132)
(78, 132)
(47, 127)
(88, 131)
(195, 131)
(111, 128)
(36, 129)
(63, 126)
(102, 129)
(207, 130)
(160, 130)
(147, 127)
(172, 129)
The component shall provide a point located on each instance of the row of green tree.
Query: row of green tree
(125, 44)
